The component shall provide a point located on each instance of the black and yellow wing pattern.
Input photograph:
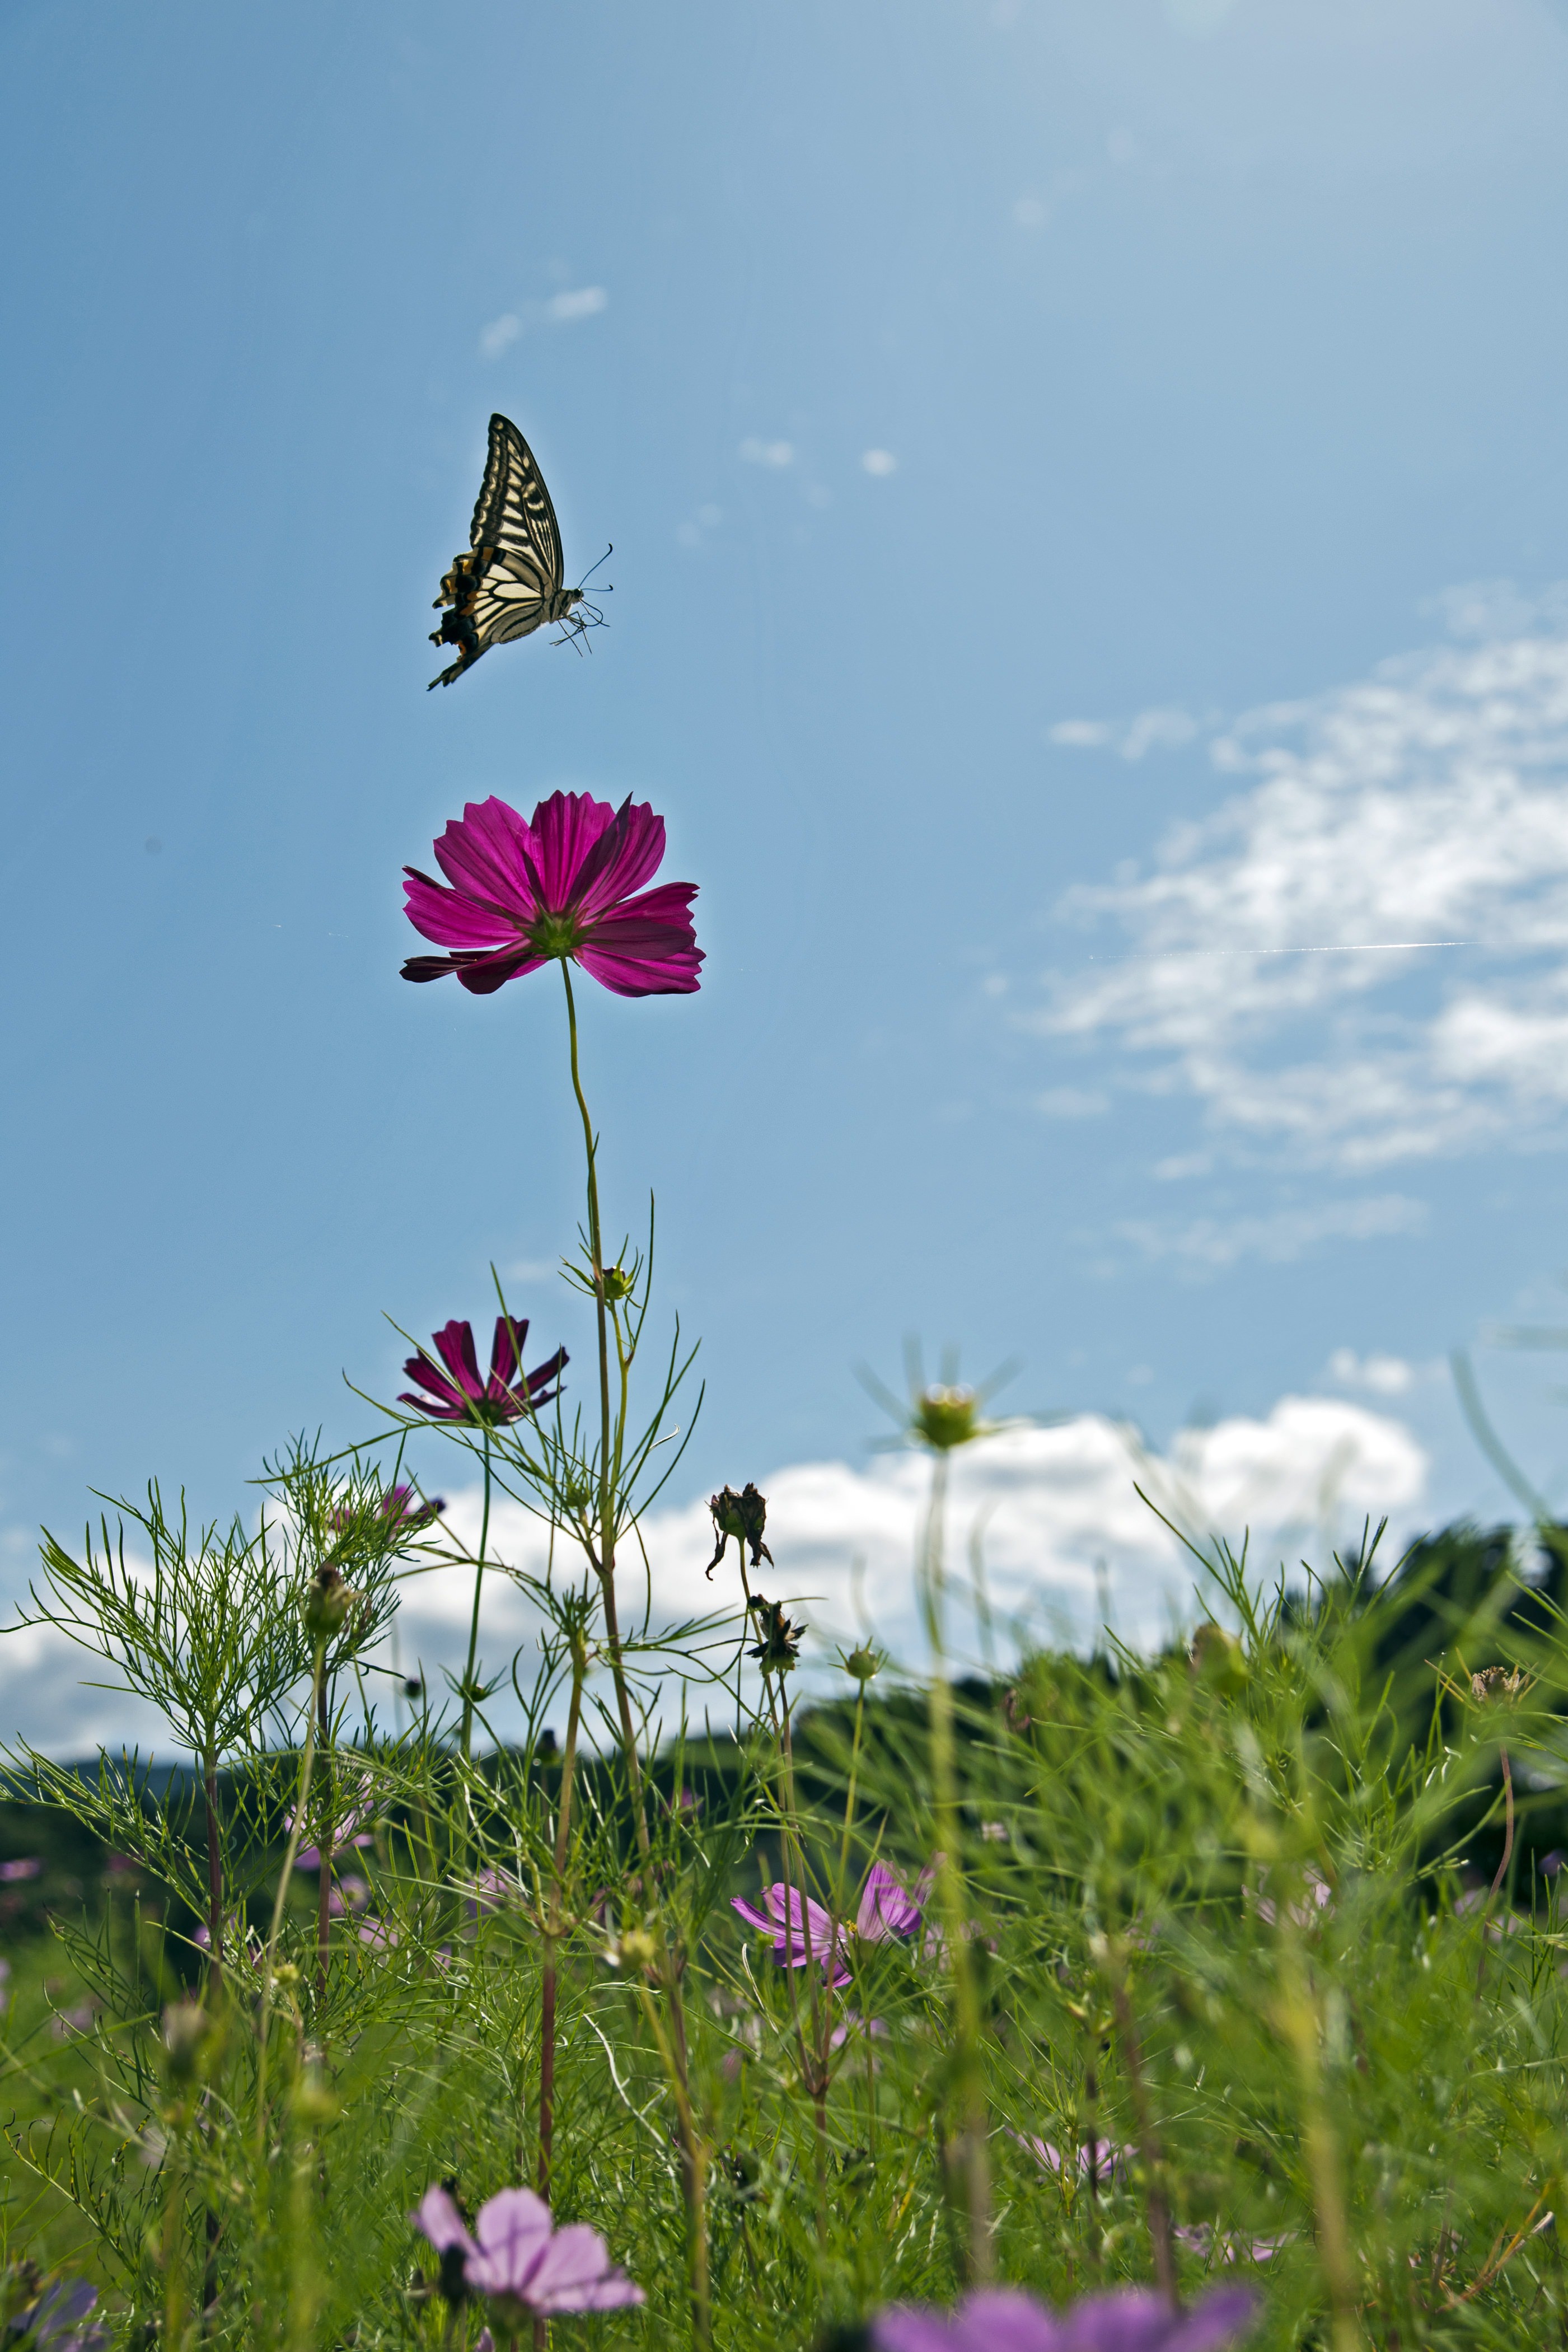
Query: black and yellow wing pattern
(510, 582)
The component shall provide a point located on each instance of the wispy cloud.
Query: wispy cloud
(767, 452)
(1360, 955)
(880, 462)
(560, 310)
(1151, 731)
(1205, 1245)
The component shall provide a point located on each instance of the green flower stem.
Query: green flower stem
(553, 1929)
(970, 2165)
(694, 2156)
(468, 1672)
(608, 1445)
(674, 2061)
(214, 1880)
(264, 2019)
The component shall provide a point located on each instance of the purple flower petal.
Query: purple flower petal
(578, 862)
(1000, 2319)
(576, 2275)
(886, 1907)
(438, 2218)
(1139, 2320)
(514, 2230)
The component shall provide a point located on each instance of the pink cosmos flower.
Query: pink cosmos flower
(459, 1393)
(525, 2266)
(802, 1931)
(1108, 2158)
(1001, 2319)
(566, 883)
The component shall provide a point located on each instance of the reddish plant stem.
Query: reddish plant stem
(329, 1831)
(1148, 2146)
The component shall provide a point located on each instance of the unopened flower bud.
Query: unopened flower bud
(617, 1285)
(865, 1664)
(946, 1417)
(189, 2035)
(1219, 1660)
(636, 1949)
(328, 1600)
(313, 2101)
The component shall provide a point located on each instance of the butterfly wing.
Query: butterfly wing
(510, 584)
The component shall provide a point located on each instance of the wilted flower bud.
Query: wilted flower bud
(946, 1417)
(1498, 1686)
(327, 1601)
(780, 1648)
(744, 1517)
(190, 2035)
(865, 1664)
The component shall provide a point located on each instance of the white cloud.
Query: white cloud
(585, 302)
(501, 335)
(1052, 1507)
(1208, 1244)
(1360, 955)
(560, 309)
(1200, 18)
(1072, 1102)
(880, 462)
(1384, 1375)
(1151, 731)
(767, 452)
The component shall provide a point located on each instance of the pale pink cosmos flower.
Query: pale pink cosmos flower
(566, 883)
(1002, 2319)
(1103, 2157)
(520, 2262)
(802, 1931)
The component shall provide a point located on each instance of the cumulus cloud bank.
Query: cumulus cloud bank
(1358, 958)
(1054, 1512)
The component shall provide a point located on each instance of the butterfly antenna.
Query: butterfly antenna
(593, 568)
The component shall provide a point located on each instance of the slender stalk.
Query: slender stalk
(552, 1930)
(969, 2162)
(215, 1881)
(1508, 1828)
(468, 1672)
(303, 1798)
(329, 1831)
(1300, 2018)
(694, 2156)
(697, 2209)
(1160, 2236)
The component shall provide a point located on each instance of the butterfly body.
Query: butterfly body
(509, 581)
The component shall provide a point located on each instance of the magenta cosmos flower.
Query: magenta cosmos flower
(522, 2263)
(1000, 2319)
(802, 1931)
(459, 1394)
(568, 883)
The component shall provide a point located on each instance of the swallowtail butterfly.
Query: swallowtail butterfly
(509, 582)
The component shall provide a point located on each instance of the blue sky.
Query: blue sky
(1207, 357)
